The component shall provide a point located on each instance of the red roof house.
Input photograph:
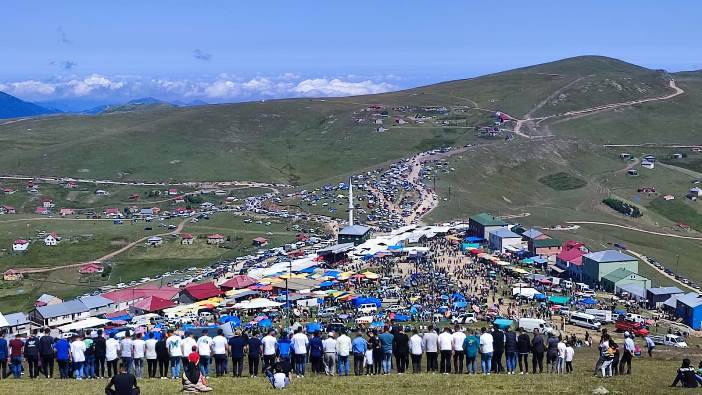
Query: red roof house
(129, 295)
(238, 282)
(41, 210)
(153, 304)
(260, 241)
(194, 293)
(215, 239)
(91, 268)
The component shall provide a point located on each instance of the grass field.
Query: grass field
(562, 181)
(649, 376)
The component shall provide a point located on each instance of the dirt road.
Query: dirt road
(634, 229)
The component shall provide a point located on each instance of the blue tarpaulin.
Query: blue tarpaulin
(460, 305)
(457, 296)
(364, 300)
(539, 296)
(395, 247)
(312, 327)
(539, 260)
(377, 324)
(588, 301)
(326, 284)
(474, 239)
(402, 318)
(235, 321)
(502, 323)
(308, 270)
(266, 323)
(332, 273)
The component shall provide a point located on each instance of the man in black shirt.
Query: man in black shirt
(124, 383)
(46, 353)
(400, 347)
(523, 346)
(498, 339)
(31, 352)
(100, 350)
(686, 375)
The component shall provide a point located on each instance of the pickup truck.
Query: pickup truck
(669, 340)
(635, 328)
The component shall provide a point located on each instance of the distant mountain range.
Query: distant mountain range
(12, 107)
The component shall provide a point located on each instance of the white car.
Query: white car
(466, 318)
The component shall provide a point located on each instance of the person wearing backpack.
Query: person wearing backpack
(46, 353)
(31, 353)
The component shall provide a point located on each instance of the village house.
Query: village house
(97, 305)
(71, 185)
(7, 210)
(570, 259)
(123, 298)
(172, 192)
(18, 324)
(20, 245)
(480, 225)
(91, 268)
(59, 314)
(51, 239)
(617, 279)
(186, 239)
(196, 292)
(215, 239)
(12, 275)
(503, 240)
(598, 264)
(48, 203)
(112, 212)
(134, 197)
(545, 247)
(46, 299)
(356, 234)
(655, 297)
(8, 191)
(179, 199)
(260, 242)
(668, 197)
(42, 210)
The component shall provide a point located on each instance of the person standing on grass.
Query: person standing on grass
(486, 350)
(31, 353)
(126, 346)
(151, 355)
(560, 362)
(112, 355)
(162, 357)
(608, 356)
(16, 351)
(386, 340)
(628, 354)
(63, 357)
(416, 351)
(537, 352)
(569, 354)
(343, 350)
(430, 344)
(650, 345)
(78, 356)
(498, 338)
(551, 352)
(89, 366)
(458, 352)
(219, 349)
(100, 354)
(204, 348)
(511, 350)
(4, 355)
(175, 353)
(316, 352)
(400, 347)
(377, 348)
(359, 345)
(445, 348)
(270, 347)
(255, 349)
(329, 346)
(186, 347)
(46, 353)
(523, 347)
(471, 345)
(603, 346)
(237, 345)
(300, 344)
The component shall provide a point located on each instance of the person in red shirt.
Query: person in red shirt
(16, 351)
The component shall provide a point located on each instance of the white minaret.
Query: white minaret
(351, 207)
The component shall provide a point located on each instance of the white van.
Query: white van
(529, 324)
(367, 308)
(635, 318)
(584, 320)
(601, 315)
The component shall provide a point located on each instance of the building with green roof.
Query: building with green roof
(619, 277)
(480, 225)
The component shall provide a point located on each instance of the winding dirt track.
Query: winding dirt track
(634, 229)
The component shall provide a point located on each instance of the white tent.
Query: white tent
(91, 322)
(528, 293)
(3, 321)
(258, 303)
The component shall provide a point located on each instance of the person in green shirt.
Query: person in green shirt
(471, 344)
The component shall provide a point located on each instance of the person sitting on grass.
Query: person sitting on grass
(687, 376)
(193, 381)
(280, 374)
(124, 383)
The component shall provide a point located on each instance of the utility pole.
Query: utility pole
(287, 293)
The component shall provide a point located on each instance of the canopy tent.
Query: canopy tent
(502, 263)
(588, 301)
(232, 320)
(312, 327)
(474, 239)
(377, 324)
(91, 322)
(265, 323)
(364, 320)
(529, 293)
(238, 282)
(561, 300)
(519, 270)
(460, 305)
(502, 323)
(527, 261)
(364, 300)
(258, 303)
(402, 318)
(153, 303)
(371, 275)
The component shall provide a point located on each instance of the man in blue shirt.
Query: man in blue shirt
(237, 345)
(63, 347)
(470, 346)
(316, 352)
(386, 339)
(359, 345)
(4, 355)
(254, 346)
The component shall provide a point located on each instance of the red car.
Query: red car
(635, 328)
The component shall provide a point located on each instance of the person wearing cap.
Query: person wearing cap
(628, 355)
(329, 359)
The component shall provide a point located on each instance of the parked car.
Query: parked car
(635, 328)
(465, 318)
(670, 340)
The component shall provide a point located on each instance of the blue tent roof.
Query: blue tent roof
(266, 323)
(313, 327)
(235, 321)
(474, 239)
(458, 296)
(539, 260)
(326, 284)
(540, 297)
(460, 305)
(502, 323)
(402, 318)
(377, 324)
(396, 247)
(310, 270)
(588, 301)
(332, 273)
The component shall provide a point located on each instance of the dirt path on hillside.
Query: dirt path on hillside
(661, 272)
(634, 229)
(109, 256)
(605, 107)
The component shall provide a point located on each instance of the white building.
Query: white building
(504, 239)
(20, 245)
(51, 239)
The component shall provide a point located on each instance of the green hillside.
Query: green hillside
(301, 141)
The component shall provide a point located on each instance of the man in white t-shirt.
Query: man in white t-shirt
(219, 351)
(111, 355)
(486, 350)
(416, 351)
(457, 343)
(126, 346)
(329, 357)
(560, 362)
(187, 345)
(204, 348)
(569, 354)
(445, 349)
(270, 345)
(78, 356)
(300, 343)
(175, 353)
(151, 356)
(139, 347)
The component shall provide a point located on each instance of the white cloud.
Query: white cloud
(92, 83)
(28, 88)
(337, 87)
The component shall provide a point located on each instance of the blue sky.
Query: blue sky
(229, 51)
